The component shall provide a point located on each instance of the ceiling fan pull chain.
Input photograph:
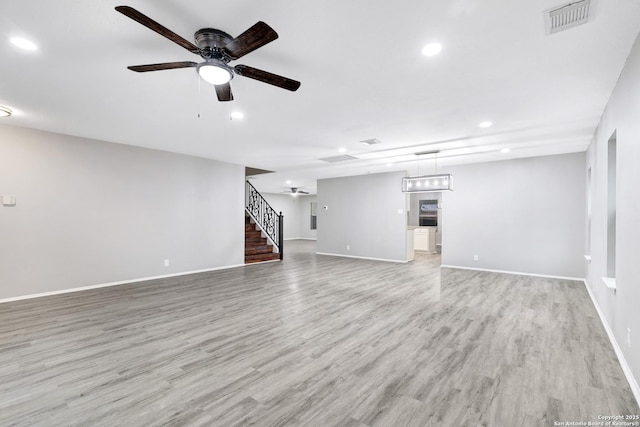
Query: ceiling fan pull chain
(199, 95)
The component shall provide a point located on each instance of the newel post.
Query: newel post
(281, 235)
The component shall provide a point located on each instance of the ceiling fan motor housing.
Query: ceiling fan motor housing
(211, 42)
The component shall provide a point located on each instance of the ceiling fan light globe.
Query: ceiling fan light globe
(215, 73)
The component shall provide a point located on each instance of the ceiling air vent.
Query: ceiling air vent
(336, 159)
(567, 16)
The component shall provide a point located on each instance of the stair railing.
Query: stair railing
(269, 221)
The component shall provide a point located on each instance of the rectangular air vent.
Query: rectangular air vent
(567, 16)
(371, 141)
(340, 158)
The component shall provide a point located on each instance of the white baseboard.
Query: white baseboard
(623, 362)
(300, 238)
(363, 257)
(579, 279)
(123, 282)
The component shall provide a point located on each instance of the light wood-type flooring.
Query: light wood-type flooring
(312, 341)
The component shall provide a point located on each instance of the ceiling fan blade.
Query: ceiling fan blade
(255, 37)
(163, 66)
(266, 77)
(224, 92)
(160, 29)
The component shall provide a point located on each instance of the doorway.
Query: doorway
(425, 219)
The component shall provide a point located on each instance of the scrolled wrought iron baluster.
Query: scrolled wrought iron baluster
(254, 203)
(270, 222)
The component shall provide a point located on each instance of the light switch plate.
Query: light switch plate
(8, 200)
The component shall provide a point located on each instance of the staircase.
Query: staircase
(256, 248)
(261, 218)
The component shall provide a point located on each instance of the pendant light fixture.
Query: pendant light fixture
(427, 183)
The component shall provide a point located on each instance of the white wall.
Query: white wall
(91, 212)
(363, 214)
(523, 215)
(620, 310)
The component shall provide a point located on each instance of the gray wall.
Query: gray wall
(305, 217)
(91, 212)
(296, 211)
(363, 213)
(620, 310)
(523, 215)
(288, 205)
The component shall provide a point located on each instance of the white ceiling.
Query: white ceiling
(362, 75)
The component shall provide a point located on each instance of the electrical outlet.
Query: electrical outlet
(348, 247)
(8, 200)
(166, 263)
(476, 258)
(629, 337)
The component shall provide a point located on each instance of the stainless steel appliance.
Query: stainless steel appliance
(428, 213)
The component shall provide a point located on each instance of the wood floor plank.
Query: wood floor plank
(312, 341)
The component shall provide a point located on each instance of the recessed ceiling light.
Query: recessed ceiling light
(505, 150)
(432, 49)
(389, 165)
(485, 124)
(288, 181)
(5, 111)
(237, 115)
(342, 150)
(23, 43)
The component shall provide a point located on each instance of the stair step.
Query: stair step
(261, 249)
(261, 257)
(256, 248)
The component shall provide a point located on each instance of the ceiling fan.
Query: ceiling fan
(294, 191)
(217, 49)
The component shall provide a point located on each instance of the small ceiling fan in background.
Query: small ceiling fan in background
(294, 191)
(217, 49)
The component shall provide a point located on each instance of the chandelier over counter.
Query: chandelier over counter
(427, 183)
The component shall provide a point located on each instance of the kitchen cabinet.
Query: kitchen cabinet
(424, 239)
